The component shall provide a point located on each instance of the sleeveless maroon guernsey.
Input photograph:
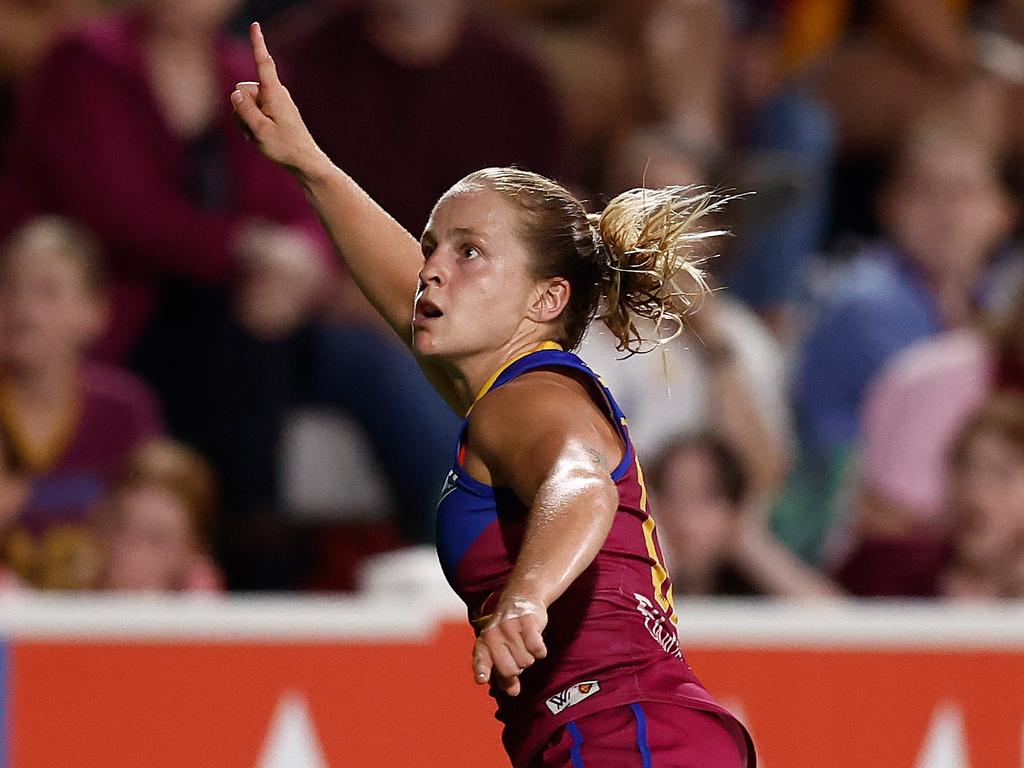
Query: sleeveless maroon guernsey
(611, 637)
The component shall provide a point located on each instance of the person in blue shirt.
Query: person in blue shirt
(944, 212)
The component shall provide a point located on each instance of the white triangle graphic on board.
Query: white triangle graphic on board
(945, 745)
(291, 741)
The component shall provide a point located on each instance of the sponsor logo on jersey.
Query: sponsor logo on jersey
(449, 486)
(572, 696)
(661, 629)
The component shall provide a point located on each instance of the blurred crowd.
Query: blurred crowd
(845, 416)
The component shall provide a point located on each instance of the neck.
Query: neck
(475, 372)
(952, 291)
(50, 384)
(954, 299)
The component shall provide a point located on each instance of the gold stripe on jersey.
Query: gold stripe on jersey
(659, 574)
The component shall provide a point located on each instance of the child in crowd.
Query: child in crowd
(714, 537)
(70, 423)
(986, 504)
(975, 548)
(155, 523)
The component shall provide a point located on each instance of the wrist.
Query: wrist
(314, 170)
(523, 595)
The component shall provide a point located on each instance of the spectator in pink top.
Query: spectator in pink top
(913, 414)
(70, 423)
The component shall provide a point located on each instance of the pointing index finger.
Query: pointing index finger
(266, 70)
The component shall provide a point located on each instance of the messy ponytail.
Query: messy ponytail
(654, 243)
(639, 259)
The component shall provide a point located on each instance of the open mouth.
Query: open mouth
(427, 310)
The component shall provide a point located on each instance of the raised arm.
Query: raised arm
(542, 436)
(382, 256)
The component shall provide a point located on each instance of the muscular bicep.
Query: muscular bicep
(559, 468)
(547, 434)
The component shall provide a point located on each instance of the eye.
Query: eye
(427, 249)
(470, 251)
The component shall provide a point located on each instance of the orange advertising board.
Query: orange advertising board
(263, 699)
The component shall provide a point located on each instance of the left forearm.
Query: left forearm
(568, 523)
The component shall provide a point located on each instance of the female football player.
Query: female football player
(543, 525)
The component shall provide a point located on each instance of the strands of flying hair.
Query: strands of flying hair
(654, 243)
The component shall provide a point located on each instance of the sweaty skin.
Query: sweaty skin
(542, 435)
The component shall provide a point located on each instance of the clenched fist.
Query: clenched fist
(510, 642)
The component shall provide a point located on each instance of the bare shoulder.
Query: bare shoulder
(539, 411)
(542, 396)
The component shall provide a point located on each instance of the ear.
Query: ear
(551, 299)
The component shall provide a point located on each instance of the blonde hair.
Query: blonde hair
(640, 258)
(180, 471)
(67, 237)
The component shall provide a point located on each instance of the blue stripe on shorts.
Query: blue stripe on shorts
(641, 735)
(575, 751)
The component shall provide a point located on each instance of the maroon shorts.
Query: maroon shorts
(648, 735)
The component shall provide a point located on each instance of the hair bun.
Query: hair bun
(654, 244)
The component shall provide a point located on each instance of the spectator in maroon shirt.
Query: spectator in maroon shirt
(70, 423)
(123, 128)
(215, 258)
(411, 95)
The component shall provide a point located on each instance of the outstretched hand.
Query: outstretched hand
(510, 643)
(269, 115)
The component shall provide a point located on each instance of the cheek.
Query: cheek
(493, 301)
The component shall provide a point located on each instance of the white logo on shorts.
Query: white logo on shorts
(573, 695)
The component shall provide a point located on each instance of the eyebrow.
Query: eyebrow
(467, 231)
(429, 235)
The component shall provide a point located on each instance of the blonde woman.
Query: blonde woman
(543, 525)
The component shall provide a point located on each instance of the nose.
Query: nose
(434, 271)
